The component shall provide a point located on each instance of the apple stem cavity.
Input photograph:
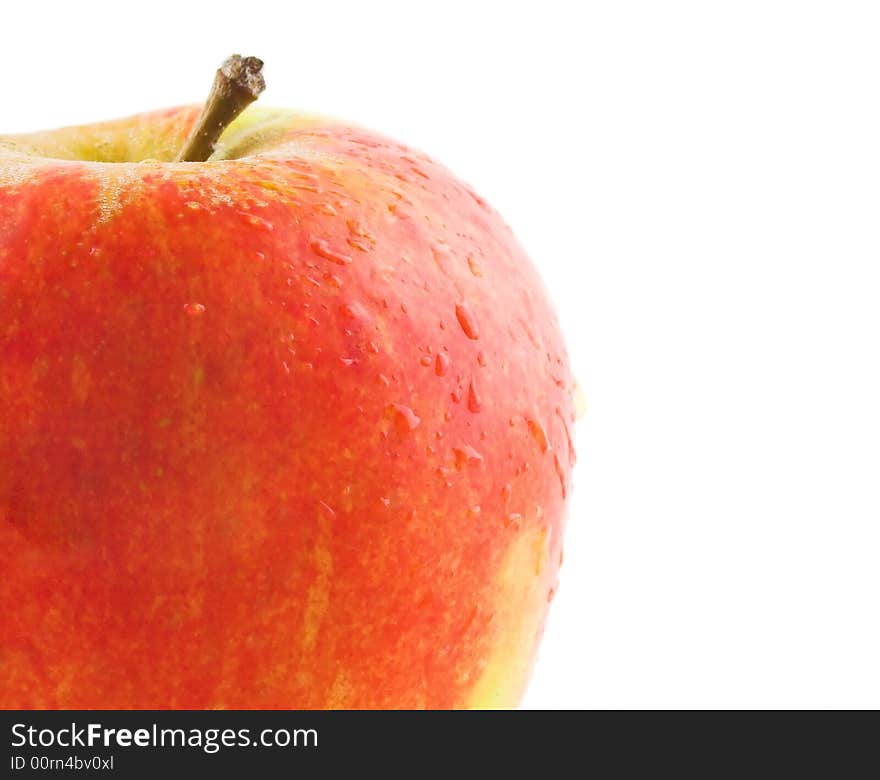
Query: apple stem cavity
(238, 83)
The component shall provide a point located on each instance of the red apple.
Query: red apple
(288, 428)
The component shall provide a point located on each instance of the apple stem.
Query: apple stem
(238, 83)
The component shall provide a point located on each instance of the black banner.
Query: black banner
(284, 743)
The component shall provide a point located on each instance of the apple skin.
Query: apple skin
(285, 429)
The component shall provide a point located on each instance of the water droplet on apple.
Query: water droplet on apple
(441, 255)
(467, 321)
(420, 172)
(572, 455)
(259, 222)
(513, 519)
(466, 456)
(322, 249)
(425, 360)
(538, 434)
(560, 473)
(353, 311)
(476, 270)
(474, 402)
(194, 309)
(441, 364)
(359, 243)
(404, 418)
(357, 229)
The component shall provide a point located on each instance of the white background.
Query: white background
(699, 183)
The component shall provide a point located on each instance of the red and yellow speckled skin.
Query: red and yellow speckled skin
(289, 430)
